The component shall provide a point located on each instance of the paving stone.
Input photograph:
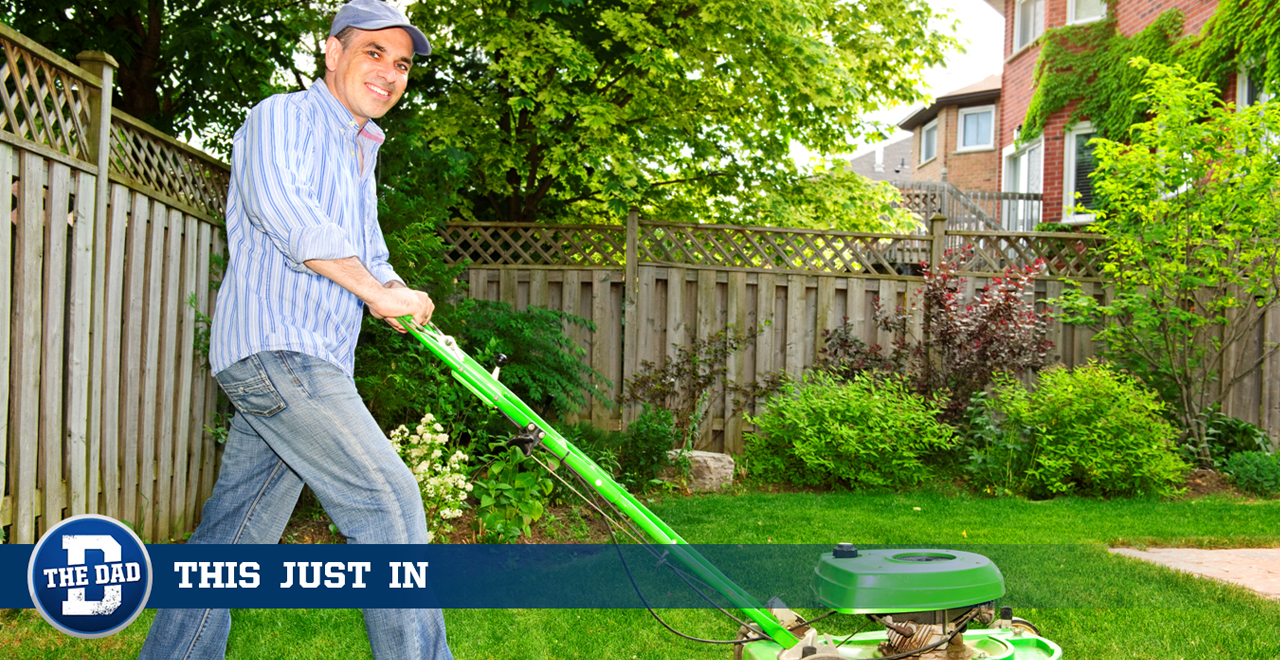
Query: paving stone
(1253, 568)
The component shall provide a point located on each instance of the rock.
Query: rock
(708, 471)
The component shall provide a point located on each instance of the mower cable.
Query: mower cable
(860, 629)
(636, 587)
(610, 523)
(588, 501)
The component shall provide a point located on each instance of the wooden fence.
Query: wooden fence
(649, 287)
(113, 228)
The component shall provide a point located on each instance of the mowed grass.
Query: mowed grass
(1052, 554)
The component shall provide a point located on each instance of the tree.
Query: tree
(1192, 207)
(581, 109)
(187, 68)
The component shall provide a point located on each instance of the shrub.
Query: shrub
(645, 446)
(1089, 431)
(544, 366)
(964, 342)
(510, 496)
(441, 478)
(684, 385)
(867, 432)
(1257, 472)
(1225, 436)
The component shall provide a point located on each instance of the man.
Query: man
(306, 255)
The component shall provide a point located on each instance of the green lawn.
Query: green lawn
(1053, 556)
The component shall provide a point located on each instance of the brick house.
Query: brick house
(1058, 162)
(954, 138)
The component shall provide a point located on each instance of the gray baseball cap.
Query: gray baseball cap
(378, 15)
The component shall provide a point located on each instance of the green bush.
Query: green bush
(1225, 436)
(510, 496)
(645, 446)
(1257, 472)
(866, 432)
(1087, 431)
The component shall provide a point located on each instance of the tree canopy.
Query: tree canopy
(577, 110)
(187, 68)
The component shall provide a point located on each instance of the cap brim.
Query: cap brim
(420, 44)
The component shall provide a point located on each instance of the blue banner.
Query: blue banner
(476, 576)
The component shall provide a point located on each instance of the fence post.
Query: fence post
(938, 246)
(630, 317)
(104, 66)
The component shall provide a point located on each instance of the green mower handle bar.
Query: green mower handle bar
(494, 393)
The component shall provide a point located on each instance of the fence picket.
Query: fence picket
(153, 315)
(57, 207)
(112, 352)
(24, 388)
(187, 373)
(7, 281)
(80, 455)
(166, 402)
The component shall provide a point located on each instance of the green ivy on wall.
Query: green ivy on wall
(1090, 63)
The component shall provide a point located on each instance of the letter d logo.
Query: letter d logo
(89, 576)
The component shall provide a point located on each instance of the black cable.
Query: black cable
(679, 573)
(860, 629)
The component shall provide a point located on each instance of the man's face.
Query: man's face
(370, 74)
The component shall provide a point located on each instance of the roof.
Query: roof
(997, 5)
(985, 90)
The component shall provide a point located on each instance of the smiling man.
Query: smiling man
(306, 255)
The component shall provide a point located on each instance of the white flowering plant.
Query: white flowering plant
(441, 475)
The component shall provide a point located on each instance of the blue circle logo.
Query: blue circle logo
(89, 576)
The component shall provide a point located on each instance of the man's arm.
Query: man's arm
(387, 302)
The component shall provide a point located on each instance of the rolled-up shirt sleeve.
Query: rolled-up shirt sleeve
(378, 265)
(276, 181)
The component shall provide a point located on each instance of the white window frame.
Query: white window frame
(1071, 12)
(1069, 176)
(976, 110)
(1242, 89)
(1017, 24)
(924, 132)
(1015, 215)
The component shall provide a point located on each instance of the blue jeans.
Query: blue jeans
(300, 420)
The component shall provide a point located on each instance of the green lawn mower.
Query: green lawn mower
(933, 604)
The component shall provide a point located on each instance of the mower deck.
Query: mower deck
(991, 644)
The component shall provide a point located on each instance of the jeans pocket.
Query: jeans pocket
(249, 389)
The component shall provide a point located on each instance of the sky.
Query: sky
(981, 30)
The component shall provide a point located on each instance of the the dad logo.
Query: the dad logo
(89, 576)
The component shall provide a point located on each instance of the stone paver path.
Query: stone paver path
(1253, 568)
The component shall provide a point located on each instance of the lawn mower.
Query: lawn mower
(934, 604)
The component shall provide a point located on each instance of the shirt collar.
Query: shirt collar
(339, 113)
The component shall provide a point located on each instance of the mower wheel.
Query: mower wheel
(1025, 626)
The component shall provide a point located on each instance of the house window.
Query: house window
(1022, 174)
(1249, 89)
(1078, 164)
(1028, 23)
(1084, 11)
(976, 128)
(929, 142)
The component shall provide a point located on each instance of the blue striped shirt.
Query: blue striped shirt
(297, 193)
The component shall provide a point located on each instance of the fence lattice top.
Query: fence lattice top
(144, 155)
(770, 248)
(1068, 255)
(43, 102)
(598, 246)
(47, 102)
